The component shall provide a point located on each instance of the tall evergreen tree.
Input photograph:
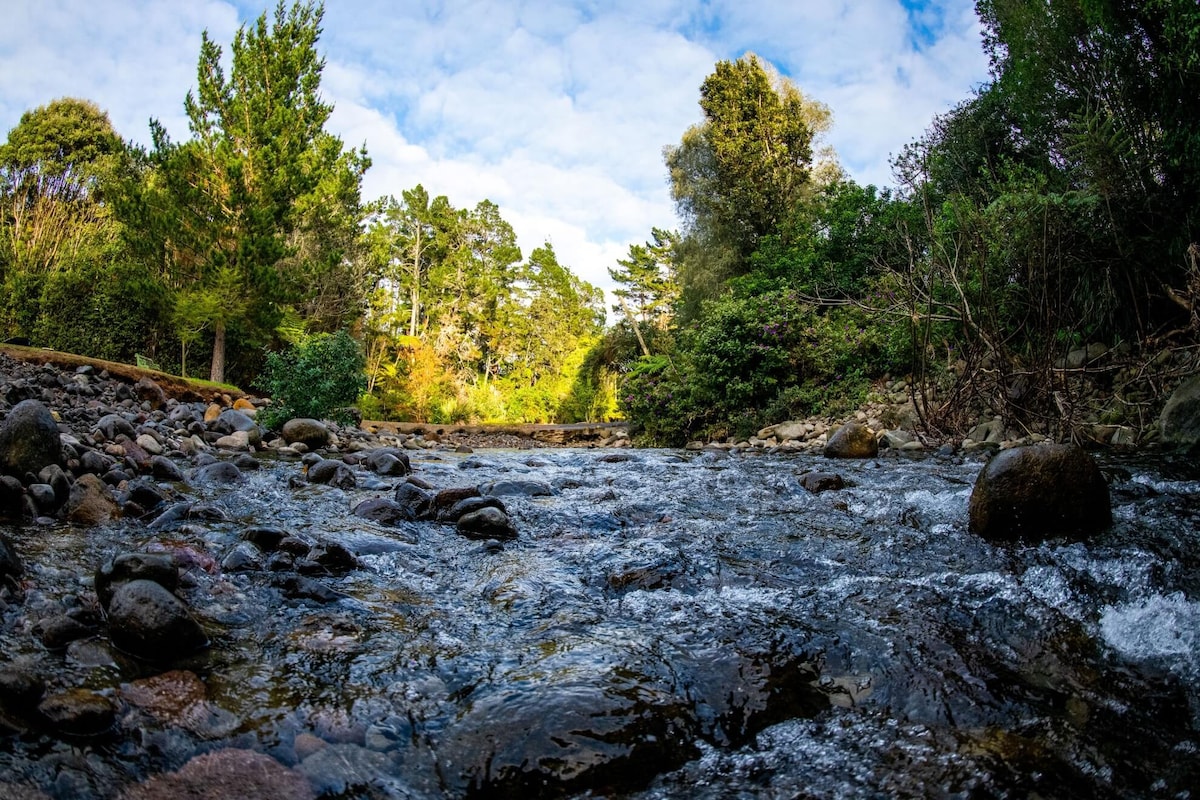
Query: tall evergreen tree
(230, 208)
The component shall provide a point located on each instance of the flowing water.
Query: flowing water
(666, 625)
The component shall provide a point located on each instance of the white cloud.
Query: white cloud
(556, 110)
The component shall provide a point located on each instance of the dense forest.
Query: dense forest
(1054, 209)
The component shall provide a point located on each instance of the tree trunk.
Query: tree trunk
(217, 373)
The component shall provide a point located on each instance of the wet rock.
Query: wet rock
(91, 502)
(388, 461)
(164, 469)
(172, 516)
(10, 563)
(337, 770)
(21, 687)
(29, 439)
(246, 462)
(61, 630)
(331, 473)
(147, 495)
(418, 502)
(299, 587)
(384, 511)
(519, 488)
(615, 733)
(92, 462)
(817, 482)
(1038, 492)
(43, 496)
(157, 567)
(244, 557)
(150, 392)
(486, 523)
(446, 498)
(265, 537)
(180, 698)
(79, 712)
(226, 775)
(310, 432)
(469, 505)
(1179, 423)
(852, 440)
(238, 440)
(327, 558)
(148, 621)
(219, 472)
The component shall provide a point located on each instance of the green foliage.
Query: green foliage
(317, 378)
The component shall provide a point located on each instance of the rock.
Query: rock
(265, 537)
(388, 461)
(59, 631)
(29, 439)
(446, 498)
(79, 712)
(111, 426)
(54, 477)
(146, 620)
(312, 433)
(238, 440)
(898, 439)
(231, 421)
(384, 511)
(21, 687)
(91, 502)
(418, 502)
(12, 498)
(149, 444)
(786, 431)
(180, 698)
(244, 557)
(486, 523)
(565, 739)
(1179, 422)
(219, 472)
(852, 440)
(817, 482)
(150, 392)
(10, 562)
(521, 488)
(327, 558)
(331, 473)
(127, 567)
(226, 775)
(1038, 492)
(469, 505)
(344, 770)
(164, 469)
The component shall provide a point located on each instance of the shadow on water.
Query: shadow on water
(673, 625)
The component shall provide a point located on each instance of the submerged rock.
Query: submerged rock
(817, 482)
(226, 775)
(852, 440)
(29, 439)
(79, 712)
(1039, 492)
(157, 567)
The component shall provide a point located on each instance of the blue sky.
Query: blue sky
(557, 110)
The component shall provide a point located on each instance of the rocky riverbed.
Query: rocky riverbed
(193, 607)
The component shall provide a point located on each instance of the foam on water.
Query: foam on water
(1158, 627)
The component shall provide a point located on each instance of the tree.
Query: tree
(650, 286)
(248, 204)
(737, 176)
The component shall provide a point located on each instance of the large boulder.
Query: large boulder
(1038, 492)
(1179, 422)
(852, 440)
(310, 432)
(147, 620)
(29, 439)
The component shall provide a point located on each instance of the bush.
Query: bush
(318, 378)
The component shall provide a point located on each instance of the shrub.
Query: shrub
(318, 377)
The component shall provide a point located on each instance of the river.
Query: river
(665, 625)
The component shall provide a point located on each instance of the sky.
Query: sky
(556, 110)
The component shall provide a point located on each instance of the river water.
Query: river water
(666, 625)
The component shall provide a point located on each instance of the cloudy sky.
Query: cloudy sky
(557, 110)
